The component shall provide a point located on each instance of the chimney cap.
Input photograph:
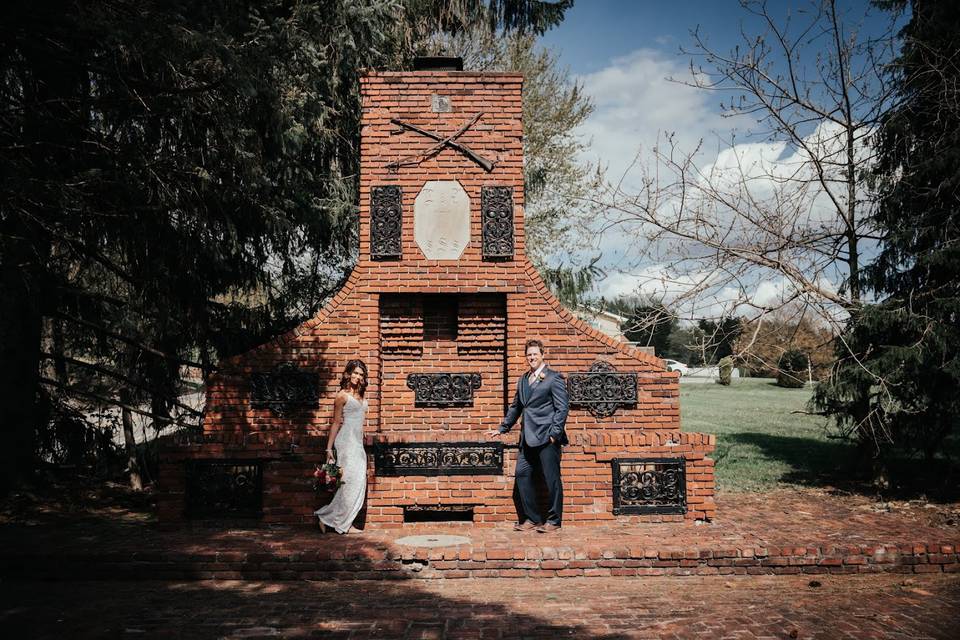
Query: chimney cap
(437, 63)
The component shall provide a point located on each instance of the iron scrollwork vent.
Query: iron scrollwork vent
(443, 389)
(496, 207)
(602, 390)
(224, 489)
(439, 459)
(386, 223)
(649, 486)
(284, 390)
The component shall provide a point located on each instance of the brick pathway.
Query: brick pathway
(787, 532)
(880, 606)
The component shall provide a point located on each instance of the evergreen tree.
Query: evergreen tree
(898, 391)
(650, 324)
(179, 181)
(718, 338)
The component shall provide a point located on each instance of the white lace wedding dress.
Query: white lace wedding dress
(346, 503)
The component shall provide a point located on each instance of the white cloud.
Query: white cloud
(714, 298)
(779, 174)
(635, 103)
(618, 285)
(696, 295)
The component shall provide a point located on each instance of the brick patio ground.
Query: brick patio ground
(879, 606)
(787, 532)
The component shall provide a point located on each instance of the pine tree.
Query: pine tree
(650, 324)
(898, 389)
(179, 182)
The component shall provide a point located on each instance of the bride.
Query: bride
(345, 447)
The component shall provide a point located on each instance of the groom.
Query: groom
(542, 399)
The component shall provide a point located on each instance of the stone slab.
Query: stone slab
(435, 540)
(441, 220)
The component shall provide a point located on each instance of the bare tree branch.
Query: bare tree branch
(792, 211)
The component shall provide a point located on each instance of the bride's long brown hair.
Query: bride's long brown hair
(345, 378)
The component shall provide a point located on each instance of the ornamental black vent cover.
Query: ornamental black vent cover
(443, 389)
(649, 485)
(284, 390)
(438, 513)
(602, 390)
(439, 459)
(386, 222)
(496, 206)
(224, 489)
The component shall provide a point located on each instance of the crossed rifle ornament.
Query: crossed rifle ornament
(442, 141)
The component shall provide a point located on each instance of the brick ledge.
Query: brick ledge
(383, 560)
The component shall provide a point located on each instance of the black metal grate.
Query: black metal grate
(496, 207)
(386, 223)
(443, 389)
(438, 513)
(224, 489)
(649, 485)
(602, 389)
(439, 459)
(285, 390)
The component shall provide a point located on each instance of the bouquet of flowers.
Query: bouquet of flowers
(327, 477)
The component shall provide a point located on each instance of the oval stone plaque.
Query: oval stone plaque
(441, 220)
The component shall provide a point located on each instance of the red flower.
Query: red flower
(327, 477)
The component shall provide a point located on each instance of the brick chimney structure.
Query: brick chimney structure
(439, 306)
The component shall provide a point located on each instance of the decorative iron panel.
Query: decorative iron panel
(444, 508)
(439, 459)
(386, 223)
(438, 513)
(224, 488)
(496, 207)
(443, 389)
(602, 390)
(284, 390)
(649, 485)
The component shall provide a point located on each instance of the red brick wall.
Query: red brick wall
(487, 342)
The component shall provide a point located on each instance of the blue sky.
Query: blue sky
(595, 32)
(622, 53)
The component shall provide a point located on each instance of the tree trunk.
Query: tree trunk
(133, 465)
(872, 461)
(20, 334)
(50, 90)
(160, 409)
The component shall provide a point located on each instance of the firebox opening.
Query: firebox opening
(438, 513)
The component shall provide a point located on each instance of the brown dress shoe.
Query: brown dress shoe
(548, 528)
(526, 526)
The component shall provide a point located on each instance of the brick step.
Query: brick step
(299, 555)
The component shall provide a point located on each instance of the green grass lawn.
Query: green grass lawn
(761, 444)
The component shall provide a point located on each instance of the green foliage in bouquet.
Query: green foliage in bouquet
(328, 477)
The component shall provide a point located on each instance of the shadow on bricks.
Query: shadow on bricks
(831, 465)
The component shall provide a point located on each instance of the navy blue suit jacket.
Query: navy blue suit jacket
(544, 406)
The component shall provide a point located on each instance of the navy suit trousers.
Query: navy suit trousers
(544, 459)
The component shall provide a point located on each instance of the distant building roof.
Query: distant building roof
(609, 323)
